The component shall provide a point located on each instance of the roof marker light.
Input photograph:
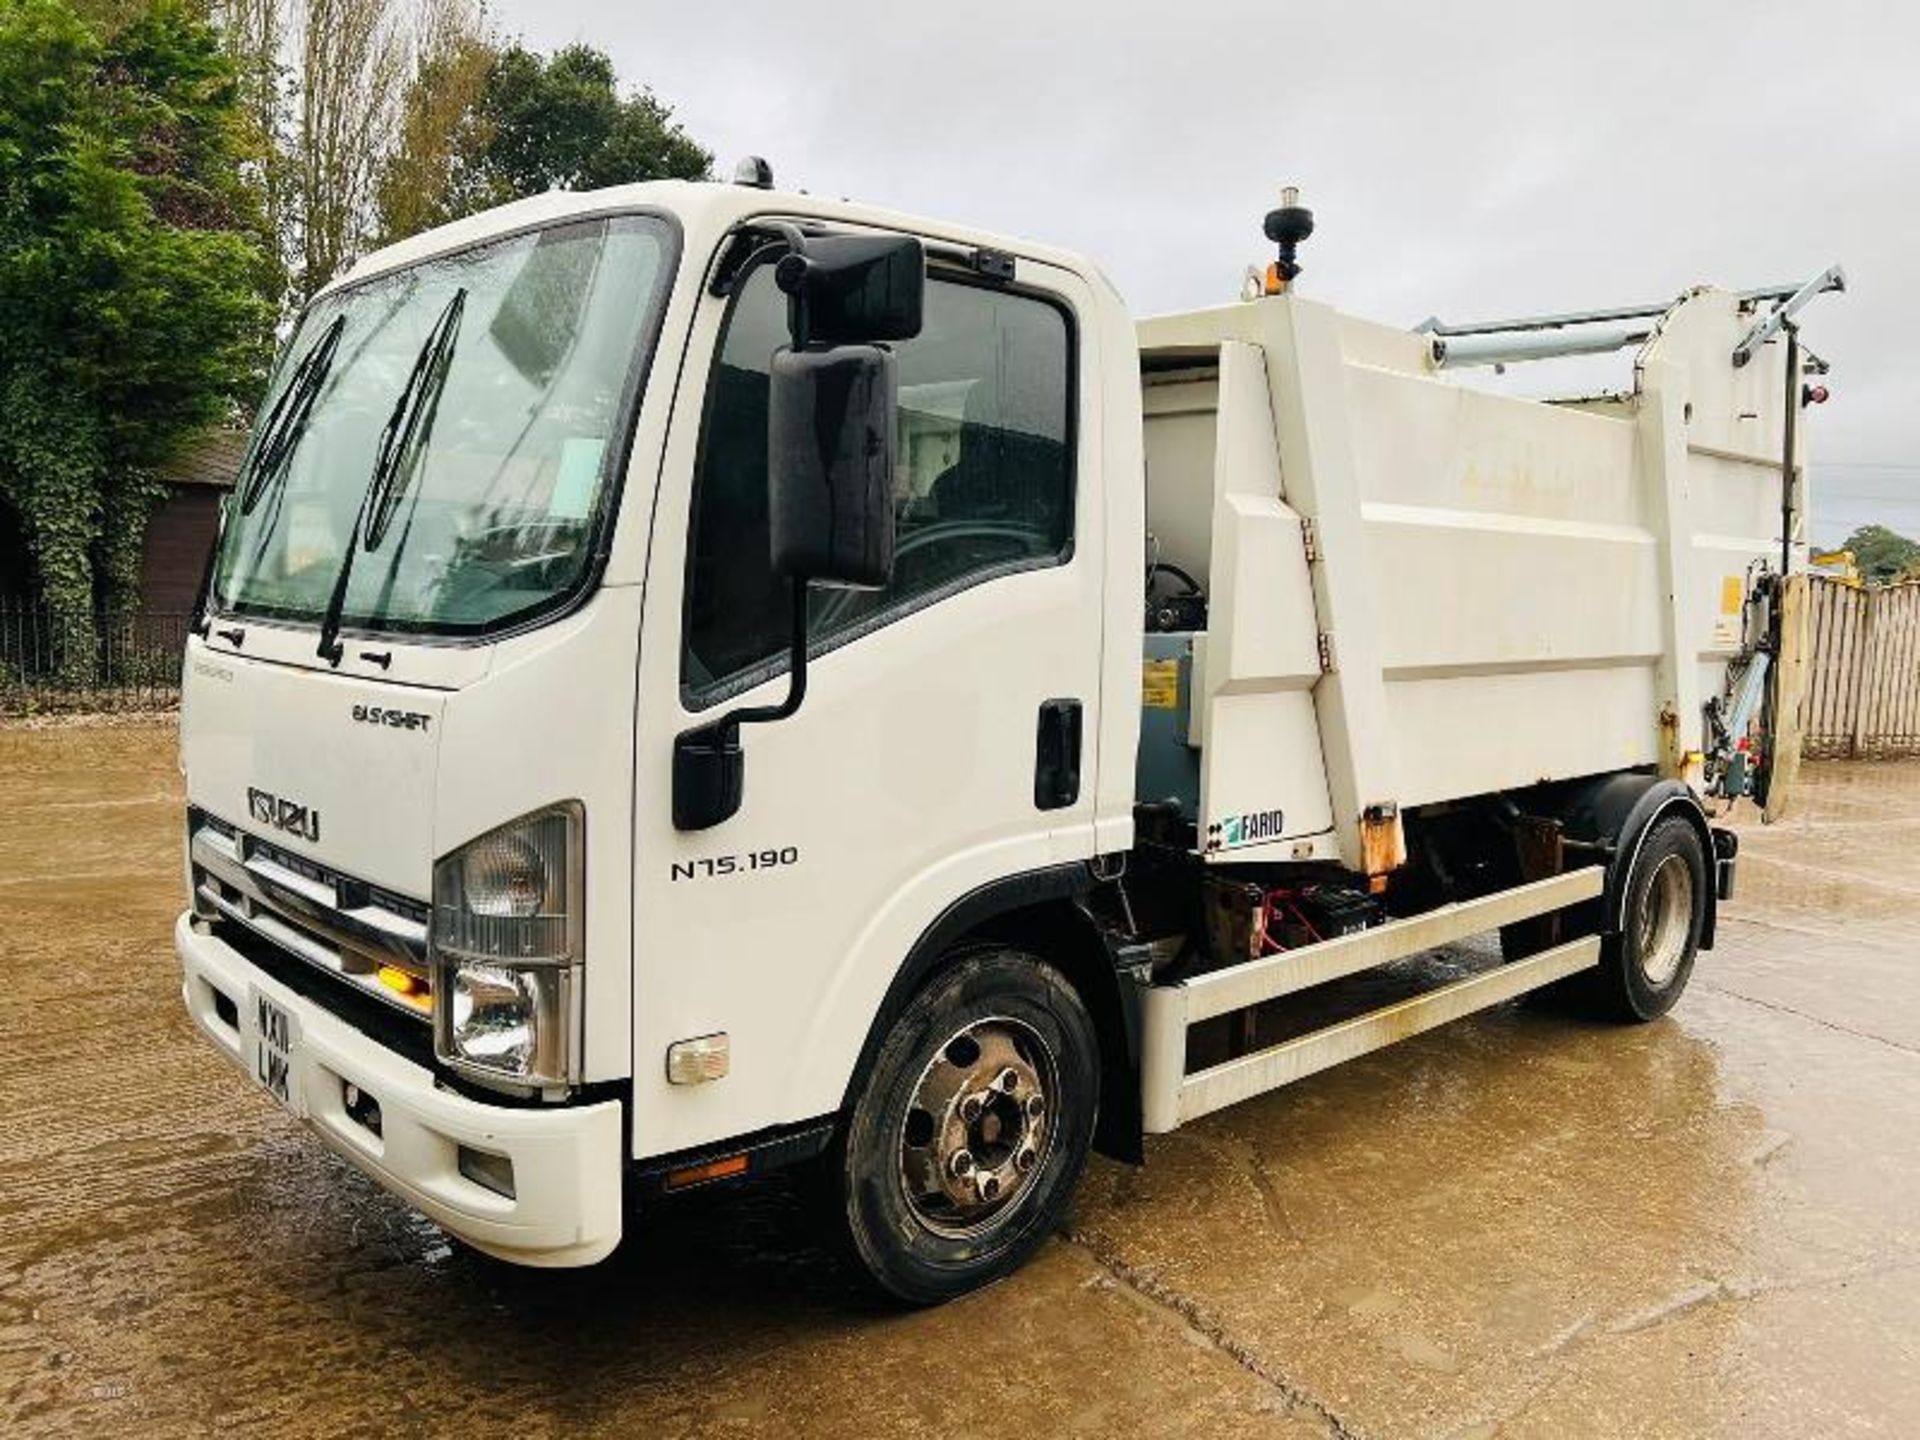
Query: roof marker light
(754, 171)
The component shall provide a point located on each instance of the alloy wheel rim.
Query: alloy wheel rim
(979, 1127)
(1666, 917)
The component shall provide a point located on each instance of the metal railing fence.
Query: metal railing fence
(111, 660)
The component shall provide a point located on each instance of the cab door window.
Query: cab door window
(982, 486)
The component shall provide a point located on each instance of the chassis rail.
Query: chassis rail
(1170, 1096)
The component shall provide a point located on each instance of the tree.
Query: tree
(371, 120)
(352, 67)
(560, 124)
(438, 170)
(1882, 555)
(254, 35)
(524, 125)
(132, 282)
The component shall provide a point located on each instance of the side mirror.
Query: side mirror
(854, 289)
(830, 427)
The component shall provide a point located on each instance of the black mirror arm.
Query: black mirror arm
(708, 765)
(796, 672)
(789, 275)
(795, 237)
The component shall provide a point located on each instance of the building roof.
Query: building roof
(211, 458)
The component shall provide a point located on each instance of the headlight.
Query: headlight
(504, 875)
(507, 922)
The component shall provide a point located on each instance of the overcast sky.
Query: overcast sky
(1471, 160)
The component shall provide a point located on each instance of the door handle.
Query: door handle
(1056, 768)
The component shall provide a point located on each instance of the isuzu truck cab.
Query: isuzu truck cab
(696, 679)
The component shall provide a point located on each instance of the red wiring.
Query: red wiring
(1269, 918)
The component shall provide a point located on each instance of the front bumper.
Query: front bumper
(566, 1207)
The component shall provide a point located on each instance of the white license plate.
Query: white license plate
(276, 1040)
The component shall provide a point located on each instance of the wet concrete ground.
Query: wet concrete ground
(1521, 1225)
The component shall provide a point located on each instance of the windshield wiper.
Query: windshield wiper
(407, 430)
(410, 426)
(287, 422)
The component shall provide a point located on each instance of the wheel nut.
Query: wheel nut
(1025, 1161)
(970, 1109)
(961, 1163)
(989, 1188)
(1009, 1080)
(1036, 1106)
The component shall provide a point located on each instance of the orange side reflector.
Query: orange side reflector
(1275, 284)
(398, 980)
(712, 1170)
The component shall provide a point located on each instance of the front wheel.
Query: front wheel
(965, 1143)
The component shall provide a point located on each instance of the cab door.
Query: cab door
(948, 734)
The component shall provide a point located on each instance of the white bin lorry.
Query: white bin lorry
(696, 679)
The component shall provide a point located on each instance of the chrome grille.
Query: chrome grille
(337, 923)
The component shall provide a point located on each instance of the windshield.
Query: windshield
(505, 484)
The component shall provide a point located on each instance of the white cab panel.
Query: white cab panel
(905, 781)
(553, 721)
(302, 736)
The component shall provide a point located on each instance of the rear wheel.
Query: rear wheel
(965, 1143)
(1645, 967)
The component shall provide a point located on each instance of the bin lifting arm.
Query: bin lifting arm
(1543, 337)
(1833, 278)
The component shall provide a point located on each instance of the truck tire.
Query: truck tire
(1645, 966)
(965, 1143)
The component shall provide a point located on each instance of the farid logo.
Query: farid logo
(1248, 829)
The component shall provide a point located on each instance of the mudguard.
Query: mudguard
(1041, 910)
(1616, 811)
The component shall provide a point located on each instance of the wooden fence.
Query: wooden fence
(1863, 674)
